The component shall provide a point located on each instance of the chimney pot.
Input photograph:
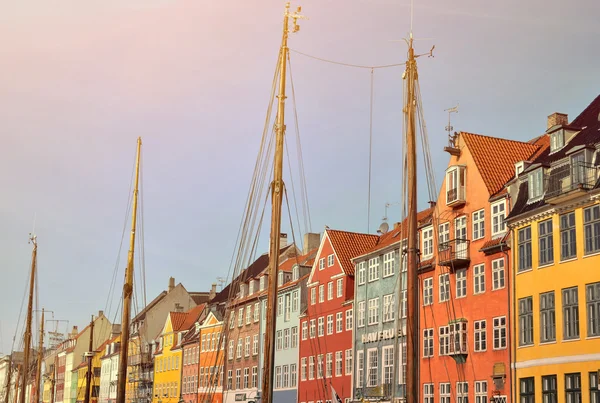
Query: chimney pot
(171, 283)
(282, 240)
(213, 291)
(557, 118)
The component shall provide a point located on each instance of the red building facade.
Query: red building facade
(326, 355)
(464, 275)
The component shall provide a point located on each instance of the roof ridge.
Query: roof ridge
(503, 139)
(350, 232)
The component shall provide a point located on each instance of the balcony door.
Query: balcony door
(460, 235)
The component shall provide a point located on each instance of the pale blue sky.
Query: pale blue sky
(81, 80)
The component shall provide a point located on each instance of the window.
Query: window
(388, 308)
(311, 367)
(262, 282)
(568, 239)
(372, 366)
(526, 321)
(321, 263)
(480, 333)
(526, 390)
(321, 326)
(524, 240)
(427, 242)
(427, 343)
(387, 357)
(373, 311)
(428, 393)
(254, 377)
(360, 368)
(458, 337)
(239, 349)
(329, 365)
(294, 336)
(303, 369)
(313, 329)
(373, 269)
(570, 313)
(444, 338)
(246, 376)
(360, 320)
(443, 235)
(279, 305)
(286, 339)
(339, 322)
(444, 393)
(591, 229)
(287, 307)
(295, 273)
(480, 391)
(279, 339)
(247, 347)
(293, 376)
(330, 260)
(428, 291)
(241, 317)
(277, 377)
(444, 287)
(304, 330)
(455, 184)
(498, 274)
(338, 363)
(462, 392)
(547, 317)
(549, 389)
(479, 279)
(348, 361)
(499, 332)
(238, 378)
(340, 287)
(594, 391)
(535, 180)
(230, 353)
(362, 273)
(249, 315)
(295, 301)
(329, 324)
(286, 376)
(479, 224)
(388, 264)
(321, 293)
(330, 291)
(557, 140)
(461, 283)
(573, 388)
(319, 366)
(255, 344)
(313, 295)
(349, 319)
(592, 300)
(498, 216)
(546, 242)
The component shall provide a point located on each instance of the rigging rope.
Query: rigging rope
(370, 156)
(348, 64)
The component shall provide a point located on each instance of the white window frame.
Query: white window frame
(313, 295)
(321, 293)
(361, 314)
(535, 184)
(372, 367)
(360, 369)
(330, 260)
(339, 363)
(428, 347)
(498, 218)
(461, 283)
(329, 324)
(497, 332)
(427, 243)
(362, 273)
(480, 336)
(428, 392)
(339, 322)
(348, 362)
(389, 308)
(481, 392)
(255, 345)
(373, 313)
(445, 392)
(330, 291)
(373, 269)
(321, 263)
(349, 319)
(340, 287)
(387, 361)
(498, 274)
(388, 264)
(479, 279)
(305, 330)
(428, 291)
(444, 287)
(478, 220)
(462, 392)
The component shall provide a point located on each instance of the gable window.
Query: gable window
(592, 299)
(444, 284)
(546, 242)
(498, 274)
(455, 184)
(500, 333)
(388, 264)
(251, 287)
(330, 260)
(480, 334)
(428, 291)
(362, 273)
(547, 317)
(280, 278)
(591, 229)
(321, 263)
(524, 240)
(479, 224)
(557, 140)
(262, 283)
(498, 216)
(568, 238)
(535, 182)
(427, 242)
(373, 269)
(479, 279)
(526, 321)
(427, 343)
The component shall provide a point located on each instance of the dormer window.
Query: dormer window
(535, 182)
(262, 282)
(280, 278)
(557, 140)
(295, 273)
(251, 287)
(455, 185)
(243, 290)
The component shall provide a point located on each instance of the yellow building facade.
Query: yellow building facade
(95, 379)
(555, 223)
(167, 361)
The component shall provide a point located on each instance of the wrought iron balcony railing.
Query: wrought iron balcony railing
(454, 253)
(570, 179)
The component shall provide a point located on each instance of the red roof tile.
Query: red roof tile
(350, 244)
(495, 158)
(177, 320)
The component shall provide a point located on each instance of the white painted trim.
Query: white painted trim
(566, 359)
(340, 275)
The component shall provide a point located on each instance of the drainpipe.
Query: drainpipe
(511, 302)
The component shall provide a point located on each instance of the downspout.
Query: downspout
(511, 303)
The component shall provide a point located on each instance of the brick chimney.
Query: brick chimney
(74, 332)
(557, 119)
(100, 314)
(171, 283)
(311, 241)
(282, 240)
(213, 291)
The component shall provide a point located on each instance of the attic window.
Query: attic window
(535, 182)
(557, 140)
(295, 273)
(251, 287)
(280, 278)
(262, 283)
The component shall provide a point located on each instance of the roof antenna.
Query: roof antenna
(449, 128)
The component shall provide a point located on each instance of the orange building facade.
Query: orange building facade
(210, 366)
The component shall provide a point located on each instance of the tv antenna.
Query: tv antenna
(221, 281)
(449, 128)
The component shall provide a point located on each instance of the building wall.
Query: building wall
(60, 377)
(68, 396)
(105, 364)
(167, 369)
(561, 356)
(317, 389)
(210, 357)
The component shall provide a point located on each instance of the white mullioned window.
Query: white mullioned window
(330, 260)
(329, 365)
(388, 264)
(428, 393)
(255, 345)
(443, 235)
(387, 358)
(388, 308)
(360, 320)
(428, 291)
(349, 319)
(428, 343)
(373, 311)
(374, 269)
(480, 335)
(313, 328)
(311, 367)
(340, 287)
(321, 293)
(329, 324)
(348, 362)
(461, 283)
(321, 263)
(444, 340)
(372, 366)
(321, 326)
(339, 322)
(498, 216)
(479, 224)
(360, 369)
(500, 333)
(444, 287)
(444, 393)
(462, 392)
(313, 295)
(427, 242)
(498, 274)
(362, 273)
(481, 392)
(338, 363)
(304, 330)
(479, 279)
(330, 291)
(303, 369)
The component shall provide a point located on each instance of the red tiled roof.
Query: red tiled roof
(495, 158)
(177, 320)
(350, 244)
(192, 316)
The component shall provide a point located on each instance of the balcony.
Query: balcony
(569, 181)
(454, 254)
(455, 197)
(458, 340)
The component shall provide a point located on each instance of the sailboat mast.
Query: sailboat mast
(128, 287)
(276, 201)
(27, 338)
(90, 356)
(412, 288)
(38, 373)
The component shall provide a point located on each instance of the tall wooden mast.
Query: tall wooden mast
(27, 337)
(90, 357)
(128, 287)
(412, 286)
(276, 201)
(40, 357)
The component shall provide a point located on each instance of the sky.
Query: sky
(80, 81)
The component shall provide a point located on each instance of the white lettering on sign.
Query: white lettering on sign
(382, 335)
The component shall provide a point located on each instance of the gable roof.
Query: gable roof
(495, 158)
(349, 244)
